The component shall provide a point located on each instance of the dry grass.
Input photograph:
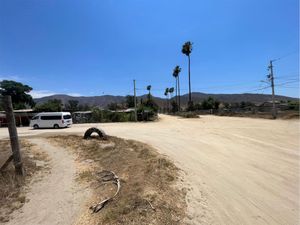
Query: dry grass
(13, 193)
(292, 115)
(263, 115)
(147, 180)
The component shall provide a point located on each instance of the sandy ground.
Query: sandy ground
(56, 198)
(238, 170)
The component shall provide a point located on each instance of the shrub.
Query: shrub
(102, 116)
(188, 114)
(293, 105)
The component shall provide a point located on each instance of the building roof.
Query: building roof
(82, 112)
(20, 111)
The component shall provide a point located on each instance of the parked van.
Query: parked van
(51, 119)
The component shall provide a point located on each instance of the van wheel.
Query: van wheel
(35, 126)
(56, 126)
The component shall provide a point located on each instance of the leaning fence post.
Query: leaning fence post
(13, 135)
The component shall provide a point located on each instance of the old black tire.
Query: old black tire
(56, 126)
(35, 126)
(91, 130)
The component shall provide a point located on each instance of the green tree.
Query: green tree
(18, 92)
(113, 106)
(243, 105)
(130, 101)
(174, 106)
(226, 105)
(293, 105)
(197, 106)
(187, 50)
(52, 105)
(176, 72)
(72, 106)
(97, 115)
(151, 104)
(210, 103)
(190, 107)
(84, 107)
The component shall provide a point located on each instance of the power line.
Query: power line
(259, 89)
(287, 77)
(288, 87)
(286, 55)
(288, 82)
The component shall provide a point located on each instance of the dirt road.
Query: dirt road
(56, 198)
(239, 170)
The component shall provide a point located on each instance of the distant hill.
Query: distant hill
(231, 98)
(101, 101)
(104, 100)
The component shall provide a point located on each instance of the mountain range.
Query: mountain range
(104, 100)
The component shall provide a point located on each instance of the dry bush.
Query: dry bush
(190, 114)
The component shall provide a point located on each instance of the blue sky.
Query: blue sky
(91, 47)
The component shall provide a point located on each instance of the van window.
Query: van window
(35, 117)
(67, 117)
(50, 117)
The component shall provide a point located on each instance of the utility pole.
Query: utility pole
(135, 112)
(13, 134)
(271, 78)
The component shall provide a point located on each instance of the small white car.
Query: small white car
(51, 120)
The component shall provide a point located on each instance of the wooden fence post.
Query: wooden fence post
(13, 134)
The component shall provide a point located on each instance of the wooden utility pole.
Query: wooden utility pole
(13, 134)
(134, 90)
(271, 77)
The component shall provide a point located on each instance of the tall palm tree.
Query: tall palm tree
(167, 96)
(187, 49)
(175, 75)
(176, 72)
(171, 91)
(149, 89)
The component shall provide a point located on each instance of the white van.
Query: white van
(51, 119)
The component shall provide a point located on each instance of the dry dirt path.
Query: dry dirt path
(56, 199)
(239, 170)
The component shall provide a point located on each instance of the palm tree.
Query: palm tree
(166, 92)
(187, 49)
(176, 72)
(167, 96)
(149, 89)
(175, 75)
(171, 90)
